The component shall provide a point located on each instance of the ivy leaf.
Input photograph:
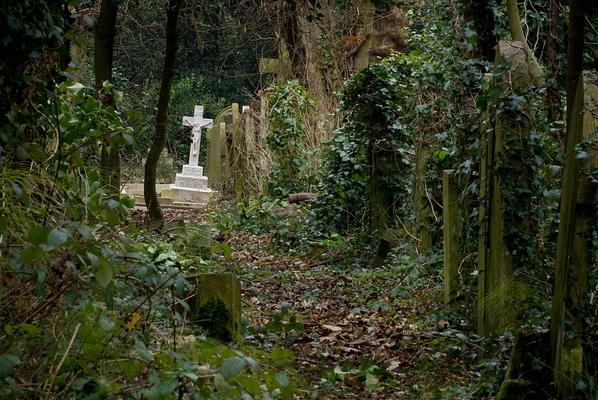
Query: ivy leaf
(76, 88)
(371, 381)
(104, 274)
(161, 389)
(143, 352)
(30, 254)
(7, 362)
(225, 248)
(57, 238)
(38, 235)
(85, 231)
(282, 379)
(253, 364)
(232, 367)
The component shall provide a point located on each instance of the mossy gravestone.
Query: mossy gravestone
(502, 169)
(218, 305)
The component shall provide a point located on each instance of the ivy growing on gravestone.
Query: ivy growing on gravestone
(377, 107)
(213, 316)
(291, 106)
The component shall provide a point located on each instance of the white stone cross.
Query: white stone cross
(196, 122)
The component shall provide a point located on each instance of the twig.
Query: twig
(68, 349)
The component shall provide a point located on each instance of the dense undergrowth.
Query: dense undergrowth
(95, 305)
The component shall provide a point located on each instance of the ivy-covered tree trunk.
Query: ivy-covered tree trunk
(421, 202)
(507, 201)
(103, 56)
(290, 34)
(159, 140)
(382, 162)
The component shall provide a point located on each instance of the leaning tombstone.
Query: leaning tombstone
(573, 264)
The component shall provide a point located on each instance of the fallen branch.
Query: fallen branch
(68, 350)
(303, 196)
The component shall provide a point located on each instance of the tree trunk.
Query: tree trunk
(517, 35)
(103, 56)
(290, 36)
(149, 183)
(362, 58)
(568, 356)
(574, 52)
(552, 50)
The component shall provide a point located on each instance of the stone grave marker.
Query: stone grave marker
(191, 186)
(451, 233)
(215, 139)
(214, 290)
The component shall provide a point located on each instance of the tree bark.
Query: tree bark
(290, 35)
(362, 58)
(149, 184)
(567, 263)
(103, 56)
(574, 52)
(552, 50)
(518, 35)
(483, 21)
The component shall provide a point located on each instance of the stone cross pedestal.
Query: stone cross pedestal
(190, 185)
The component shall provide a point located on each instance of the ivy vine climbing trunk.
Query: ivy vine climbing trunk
(518, 35)
(159, 139)
(103, 55)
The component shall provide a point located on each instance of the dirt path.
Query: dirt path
(355, 333)
(368, 333)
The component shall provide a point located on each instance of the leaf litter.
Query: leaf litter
(350, 336)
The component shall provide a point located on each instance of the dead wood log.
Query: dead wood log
(303, 196)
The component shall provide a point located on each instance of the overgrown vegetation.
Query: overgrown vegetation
(95, 303)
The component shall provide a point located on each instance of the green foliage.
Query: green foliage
(213, 317)
(210, 44)
(33, 35)
(290, 106)
(64, 132)
(368, 374)
(186, 93)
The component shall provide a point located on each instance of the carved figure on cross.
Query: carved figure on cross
(196, 122)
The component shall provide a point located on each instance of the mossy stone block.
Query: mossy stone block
(226, 287)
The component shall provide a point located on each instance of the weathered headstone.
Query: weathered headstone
(191, 186)
(275, 66)
(226, 288)
(451, 234)
(579, 202)
(215, 154)
(497, 305)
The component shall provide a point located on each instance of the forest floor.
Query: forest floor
(355, 332)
